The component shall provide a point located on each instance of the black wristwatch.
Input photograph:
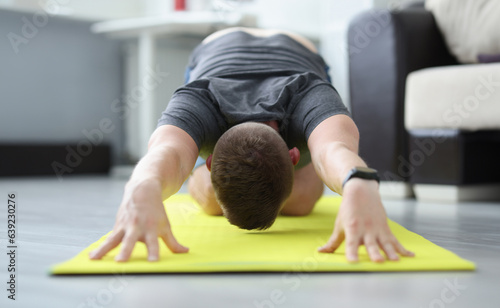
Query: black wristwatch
(362, 173)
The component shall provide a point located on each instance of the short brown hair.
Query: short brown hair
(252, 175)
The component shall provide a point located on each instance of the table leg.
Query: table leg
(147, 117)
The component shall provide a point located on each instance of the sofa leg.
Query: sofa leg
(395, 190)
(453, 193)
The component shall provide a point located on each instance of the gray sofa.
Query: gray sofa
(387, 49)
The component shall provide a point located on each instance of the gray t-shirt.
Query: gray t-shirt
(239, 78)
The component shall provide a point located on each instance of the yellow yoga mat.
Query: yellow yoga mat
(288, 246)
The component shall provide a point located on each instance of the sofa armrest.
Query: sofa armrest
(384, 47)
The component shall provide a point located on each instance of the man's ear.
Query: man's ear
(209, 162)
(294, 155)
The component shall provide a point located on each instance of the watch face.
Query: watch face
(366, 169)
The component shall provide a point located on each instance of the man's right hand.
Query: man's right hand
(141, 217)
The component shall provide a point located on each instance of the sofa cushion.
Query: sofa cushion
(469, 27)
(465, 97)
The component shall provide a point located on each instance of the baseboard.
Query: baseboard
(395, 190)
(452, 193)
(53, 159)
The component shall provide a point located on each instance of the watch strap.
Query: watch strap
(362, 173)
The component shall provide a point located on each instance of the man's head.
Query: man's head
(252, 174)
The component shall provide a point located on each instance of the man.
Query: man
(259, 108)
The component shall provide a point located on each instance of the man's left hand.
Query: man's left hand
(362, 220)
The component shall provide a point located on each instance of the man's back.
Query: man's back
(240, 53)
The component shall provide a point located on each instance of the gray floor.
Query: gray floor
(57, 219)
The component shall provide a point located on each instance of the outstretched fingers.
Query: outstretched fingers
(128, 244)
(169, 239)
(334, 242)
(151, 241)
(372, 248)
(172, 244)
(401, 250)
(109, 243)
(373, 244)
(352, 244)
(389, 250)
(392, 248)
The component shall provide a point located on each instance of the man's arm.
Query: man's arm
(361, 219)
(158, 175)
